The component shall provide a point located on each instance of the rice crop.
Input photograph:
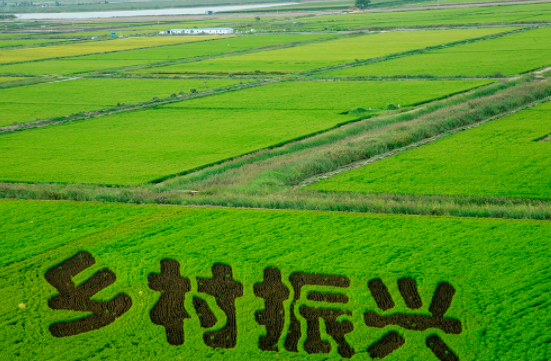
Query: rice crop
(155, 55)
(143, 146)
(502, 158)
(41, 101)
(266, 285)
(50, 52)
(327, 53)
(513, 54)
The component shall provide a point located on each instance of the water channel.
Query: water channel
(124, 13)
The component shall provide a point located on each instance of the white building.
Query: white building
(220, 31)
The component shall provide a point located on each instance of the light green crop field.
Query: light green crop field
(143, 146)
(18, 55)
(327, 53)
(508, 55)
(147, 56)
(500, 158)
(481, 285)
(5, 79)
(409, 19)
(13, 43)
(41, 101)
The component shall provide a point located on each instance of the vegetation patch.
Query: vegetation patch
(149, 145)
(163, 55)
(499, 158)
(327, 53)
(50, 52)
(513, 54)
(24, 104)
(199, 283)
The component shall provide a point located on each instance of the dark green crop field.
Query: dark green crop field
(513, 54)
(144, 146)
(197, 283)
(23, 104)
(508, 157)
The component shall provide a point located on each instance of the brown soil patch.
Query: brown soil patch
(225, 290)
(440, 349)
(408, 290)
(206, 317)
(274, 292)
(335, 329)
(386, 345)
(169, 311)
(380, 293)
(298, 280)
(327, 297)
(77, 298)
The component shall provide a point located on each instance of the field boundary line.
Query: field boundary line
(379, 157)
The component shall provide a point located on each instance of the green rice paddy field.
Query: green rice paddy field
(20, 55)
(23, 104)
(495, 267)
(502, 158)
(326, 53)
(527, 13)
(155, 55)
(512, 54)
(143, 146)
(5, 79)
(14, 43)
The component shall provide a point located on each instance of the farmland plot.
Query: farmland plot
(23, 104)
(438, 286)
(50, 52)
(526, 13)
(5, 79)
(148, 56)
(513, 54)
(327, 53)
(144, 146)
(13, 43)
(503, 158)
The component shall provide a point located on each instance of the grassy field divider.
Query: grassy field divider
(124, 108)
(330, 138)
(32, 80)
(408, 53)
(422, 142)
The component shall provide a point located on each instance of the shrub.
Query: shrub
(192, 90)
(391, 107)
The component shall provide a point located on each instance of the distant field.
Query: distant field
(327, 53)
(147, 56)
(23, 104)
(142, 146)
(19, 55)
(502, 158)
(508, 55)
(12, 43)
(8, 78)
(407, 19)
(492, 278)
